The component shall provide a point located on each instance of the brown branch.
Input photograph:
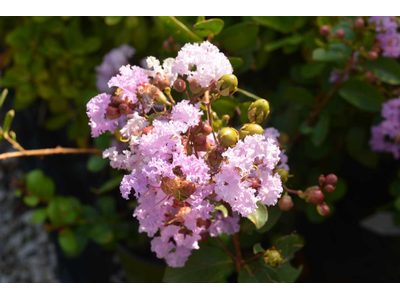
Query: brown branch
(290, 190)
(225, 249)
(258, 255)
(238, 251)
(49, 151)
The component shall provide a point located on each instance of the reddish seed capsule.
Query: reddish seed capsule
(113, 113)
(123, 108)
(202, 148)
(372, 55)
(200, 140)
(285, 203)
(179, 85)
(321, 179)
(148, 129)
(340, 33)
(206, 129)
(324, 30)
(329, 188)
(359, 23)
(189, 188)
(316, 196)
(115, 100)
(198, 127)
(331, 179)
(323, 209)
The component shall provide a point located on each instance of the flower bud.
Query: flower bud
(227, 84)
(180, 85)
(202, 148)
(250, 129)
(331, 179)
(115, 100)
(225, 119)
(198, 127)
(214, 157)
(188, 188)
(359, 23)
(206, 129)
(324, 30)
(329, 188)
(159, 98)
(258, 111)
(372, 55)
(228, 137)
(340, 33)
(162, 82)
(316, 196)
(285, 203)
(272, 257)
(123, 108)
(200, 140)
(321, 179)
(195, 88)
(283, 173)
(323, 209)
(113, 113)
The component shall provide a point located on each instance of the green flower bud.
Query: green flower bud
(228, 137)
(159, 98)
(258, 111)
(283, 173)
(272, 257)
(227, 85)
(250, 129)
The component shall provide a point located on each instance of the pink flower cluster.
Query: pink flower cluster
(180, 184)
(385, 137)
(388, 36)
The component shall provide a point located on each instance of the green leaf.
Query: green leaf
(96, 164)
(109, 185)
(300, 95)
(225, 106)
(289, 244)
(56, 122)
(258, 248)
(208, 27)
(40, 185)
(274, 213)
(362, 95)
(7, 120)
(282, 24)
(200, 18)
(101, 233)
(321, 130)
(290, 40)
(238, 36)
(222, 209)
(204, 265)
(260, 216)
(312, 70)
(107, 205)
(33, 181)
(236, 62)
(39, 215)
(112, 20)
(68, 242)
(336, 52)
(179, 31)
(63, 210)
(257, 272)
(385, 69)
(31, 201)
(3, 97)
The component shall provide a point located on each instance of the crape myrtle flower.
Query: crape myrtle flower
(176, 167)
(110, 65)
(388, 37)
(385, 137)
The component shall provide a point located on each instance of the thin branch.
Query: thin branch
(49, 151)
(257, 256)
(225, 249)
(290, 190)
(248, 94)
(238, 251)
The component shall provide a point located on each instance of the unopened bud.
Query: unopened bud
(323, 209)
(316, 196)
(225, 119)
(115, 101)
(200, 140)
(228, 137)
(198, 127)
(324, 30)
(340, 33)
(206, 129)
(359, 23)
(329, 188)
(195, 88)
(285, 203)
(159, 98)
(188, 188)
(272, 257)
(250, 129)
(180, 85)
(258, 111)
(372, 55)
(113, 113)
(227, 84)
(321, 179)
(202, 148)
(283, 173)
(123, 108)
(331, 179)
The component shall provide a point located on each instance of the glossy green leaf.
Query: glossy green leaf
(204, 265)
(312, 70)
(300, 95)
(238, 36)
(63, 210)
(274, 213)
(101, 233)
(107, 205)
(109, 185)
(260, 216)
(68, 242)
(179, 31)
(258, 248)
(31, 201)
(236, 62)
(258, 272)
(281, 23)
(362, 95)
(289, 244)
(96, 164)
(209, 27)
(39, 215)
(290, 40)
(321, 129)
(385, 69)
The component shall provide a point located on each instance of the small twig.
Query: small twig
(238, 252)
(258, 255)
(225, 249)
(49, 151)
(248, 94)
(290, 190)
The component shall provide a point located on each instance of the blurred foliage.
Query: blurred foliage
(50, 61)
